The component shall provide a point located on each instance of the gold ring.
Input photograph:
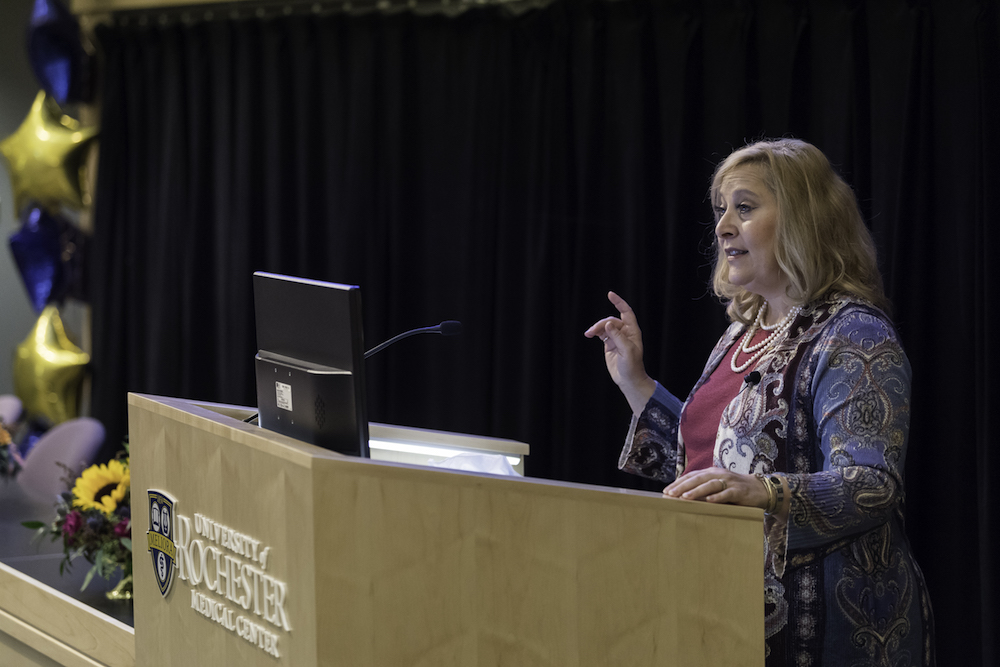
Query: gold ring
(724, 485)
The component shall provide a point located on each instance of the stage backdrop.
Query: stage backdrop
(506, 168)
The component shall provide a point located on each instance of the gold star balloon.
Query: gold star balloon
(45, 157)
(48, 369)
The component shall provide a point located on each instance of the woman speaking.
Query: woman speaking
(803, 410)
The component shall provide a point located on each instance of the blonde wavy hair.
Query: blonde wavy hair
(821, 241)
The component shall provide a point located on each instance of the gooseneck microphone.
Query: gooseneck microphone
(446, 328)
(752, 378)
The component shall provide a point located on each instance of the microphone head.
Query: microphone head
(450, 328)
(752, 378)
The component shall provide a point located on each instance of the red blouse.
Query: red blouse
(701, 415)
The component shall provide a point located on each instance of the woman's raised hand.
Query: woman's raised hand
(623, 353)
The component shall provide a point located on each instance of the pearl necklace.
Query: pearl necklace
(757, 351)
(760, 316)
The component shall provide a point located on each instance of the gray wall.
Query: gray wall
(18, 88)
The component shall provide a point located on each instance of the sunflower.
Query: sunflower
(102, 487)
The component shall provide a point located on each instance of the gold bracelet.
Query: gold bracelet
(772, 497)
(779, 492)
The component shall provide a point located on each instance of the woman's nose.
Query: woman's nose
(724, 226)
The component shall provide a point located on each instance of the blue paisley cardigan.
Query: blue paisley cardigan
(831, 413)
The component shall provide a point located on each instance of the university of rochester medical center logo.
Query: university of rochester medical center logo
(160, 538)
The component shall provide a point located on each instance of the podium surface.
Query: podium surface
(288, 554)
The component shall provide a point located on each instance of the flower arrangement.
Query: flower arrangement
(94, 520)
(10, 461)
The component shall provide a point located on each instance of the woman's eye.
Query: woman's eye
(744, 209)
(719, 211)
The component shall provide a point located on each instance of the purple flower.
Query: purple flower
(123, 528)
(74, 520)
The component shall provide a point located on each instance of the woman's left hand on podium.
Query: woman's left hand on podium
(716, 485)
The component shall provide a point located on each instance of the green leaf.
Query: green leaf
(127, 543)
(90, 575)
(34, 525)
(40, 533)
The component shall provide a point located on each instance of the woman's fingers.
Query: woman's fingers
(597, 329)
(626, 321)
(613, 333)
(624, 310)
(719, 486)
(699, 486)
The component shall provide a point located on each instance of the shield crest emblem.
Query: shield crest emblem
(160, 538)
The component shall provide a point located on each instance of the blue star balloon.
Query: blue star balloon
(48, 251)
(56, 53)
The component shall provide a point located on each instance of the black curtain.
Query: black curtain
(506, 168)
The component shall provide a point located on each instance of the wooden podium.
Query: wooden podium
(288, 554)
